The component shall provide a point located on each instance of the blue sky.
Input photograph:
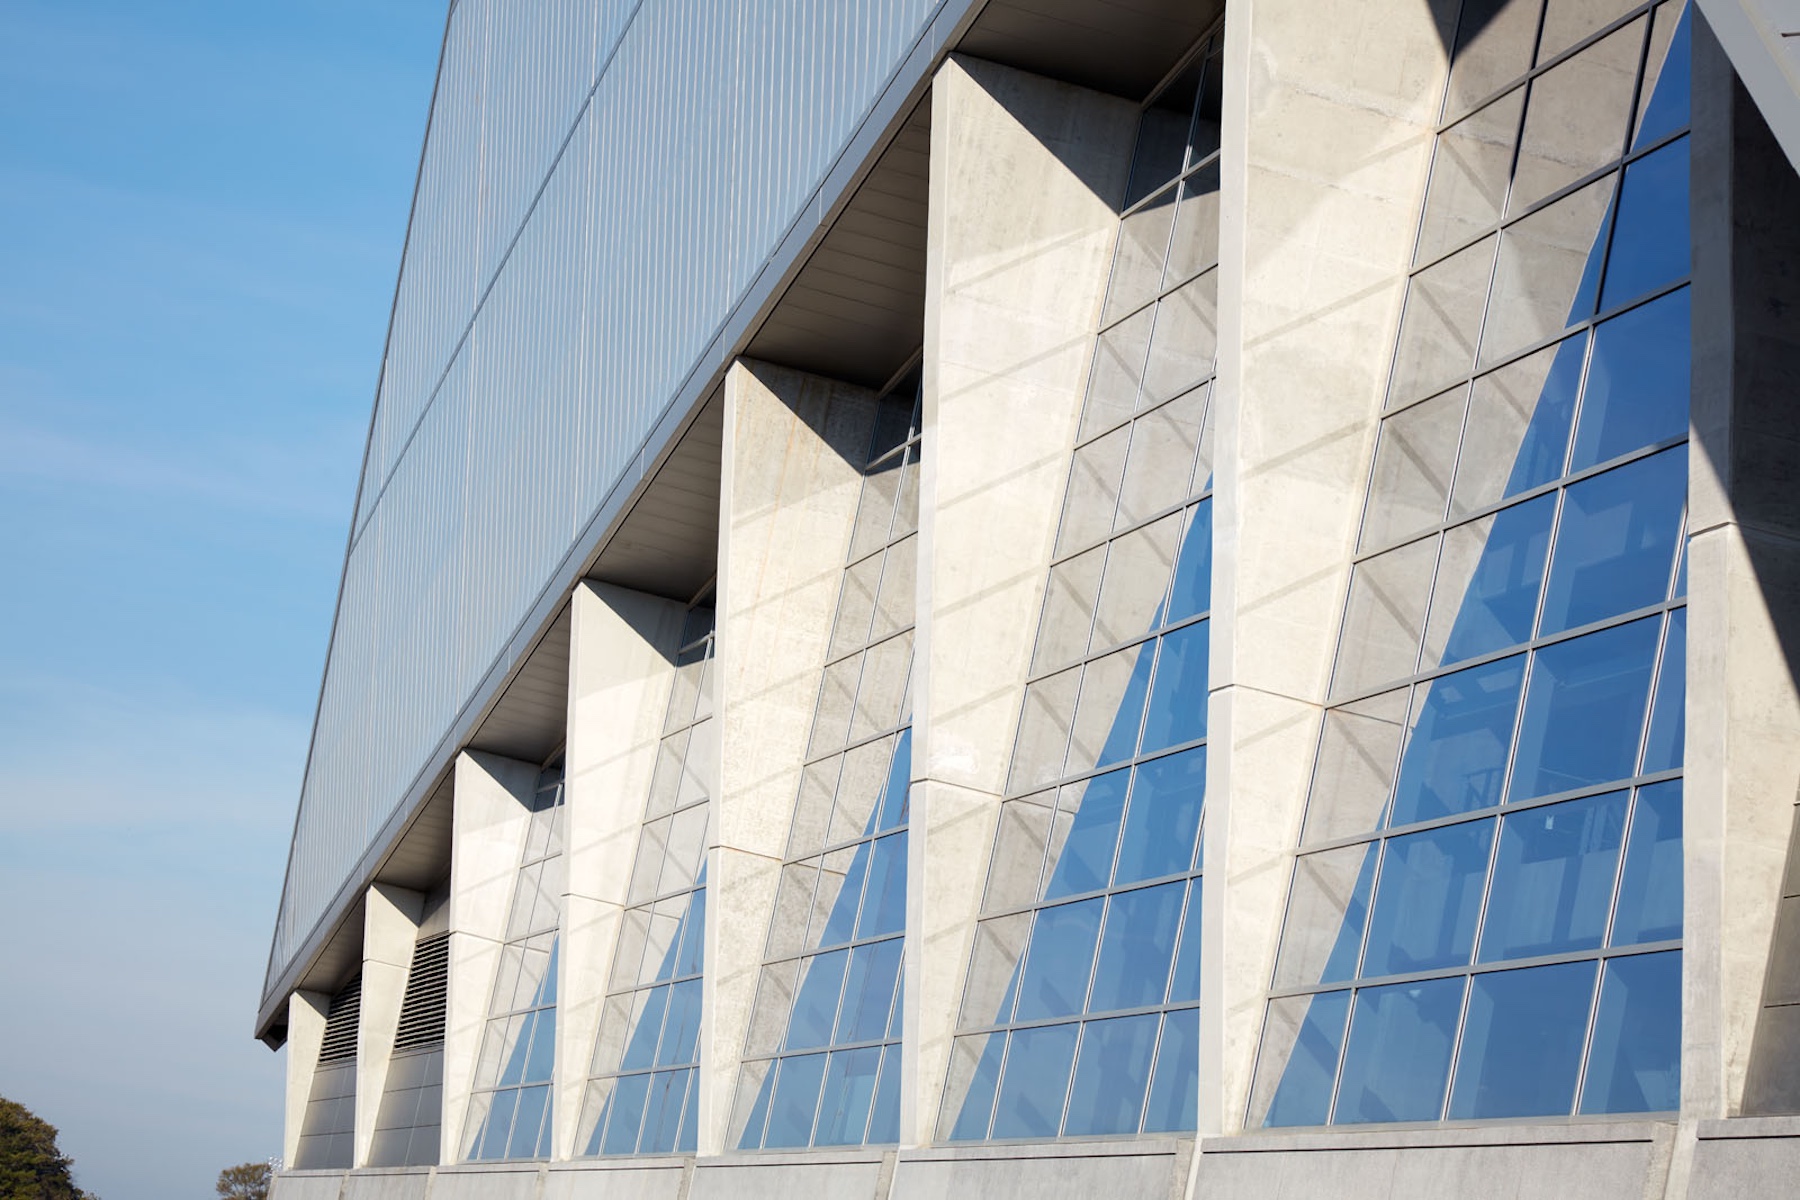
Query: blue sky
(201, 213)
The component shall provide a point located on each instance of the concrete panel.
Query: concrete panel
(307, 1012)
(758, 1178)
(601, 1180)
(322, 1185)
(413, 1184)
(794, 445)
(1012, 298)
(1327, 131)
(488, 1183)
(391, 917)
(1048, 1172)
(621, 667)
(1734, 1159)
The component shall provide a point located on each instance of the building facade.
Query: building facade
(1062, 597)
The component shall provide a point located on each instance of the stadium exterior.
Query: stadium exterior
(1067, 598)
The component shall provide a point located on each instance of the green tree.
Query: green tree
(31, 1167)
(246, 1181)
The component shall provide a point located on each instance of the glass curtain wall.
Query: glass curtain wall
(509, 1111)
(643, 1097)
(822, 1060)
(328, 1128)
(1080, 1013)
(1485, 914)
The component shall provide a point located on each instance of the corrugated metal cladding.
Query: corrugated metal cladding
(601, 181)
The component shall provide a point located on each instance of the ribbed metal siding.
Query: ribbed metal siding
(707, 128)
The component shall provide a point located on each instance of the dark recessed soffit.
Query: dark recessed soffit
(1124, 47)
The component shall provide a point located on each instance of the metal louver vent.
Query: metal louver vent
(422, 1008)
(341, 1022)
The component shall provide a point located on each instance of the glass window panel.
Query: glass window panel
(1455, 759)
(1203, 469)
(1442, 321)
(816, 1005)
(1118, 366)
(1192, 593)
(1163, 133)
(681, 1030)
(813, 808)
(1649, 907)
(1577, 116)
(662, 1115)
(1195, 245)
(1616, 542)
(839, 896)
(1111, 708)
(665, 787)
(1164, 817)
(1488, 581)
(856, 604)
(1138, 566)
(1553, 879)
(1398, 1059)
(519, 1031)
(893, 424)
(1650, 238)
(884, 909)
(1494, 40)
(528, 1119)
(1138, 262)
(1567, 22)
(793, 904)
(969, 1091)
(865, 775)
(795, 1101)
(543, 1046)
(1327, 907)
(1093, 491)
(701, 763)
(1413, 463)
(1521, 1047)
(1518, 429)
(1585, 710)
(1663, 103)
(894, 792)
(1544, 259)
(1186, 339)
(1469, 174)
(1019, 841)
(693, 936)
(1177, 711)
(1044, 730)
(756, 1083)
(1184, 981)
(1111, 1076)
(894, 606)
(993, 969)
(1301, 1042)
(1359, 751)
(837, 704)
(884, 1117)
(1136, 948)
(1069, 609)
(1668, 720)
(1637, 388)
(849, 1088)
(774, 1003)
(1174, 1087)
(1094, 807)
(1635, 1062)
(646, 1029)
(1385, 617)
(497, 1126)
(874, 519)
(687, 843)
(869, 991)
(1161, 459)
(1035, 1083)
(906, 515)
(1060, 960)
(1427, 900)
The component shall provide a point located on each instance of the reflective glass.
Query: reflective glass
(1585, 710)
(1668, 720)
(662, 1111)
(1184, 981)
(1055, 980)
(816, 1005)
(1552, 411)
(977, 1106)
(1085, 863)
(1413, 464)
(849, 1089)
(1192, 593)
(1637, 388)
(884, 908)
(626, 1114)
(1111, 1076)
(1497, 607)
(681, 1030)
(1577, 116)
(869, 991)
(795, 1101)
(1164, 817)
(884, 1118)
(1455, 759)
(1548, 263)
(1616, 542)
(1327, 908)
(1444, 304)
(1521, 1046)
(1101, 701)
(1494, 40)
(1553, 878)
(1037, 1080)
(1469, 174)
(1136, 948)
(1427, 899)
(1666, 110)
(1650, 232)
(1303, 1096)
(1635, 1063)
(1649, 908)
(1177, 711)
(1398, 1059)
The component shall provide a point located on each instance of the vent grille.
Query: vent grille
(422, 1008)
(341, 1022)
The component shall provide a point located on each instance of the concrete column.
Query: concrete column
(1741, 1019)
(1012, 299)
(1327, 129)
(491, 816)
(622, 647)
(792, 477)
(306, 1034)
(391, 917)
